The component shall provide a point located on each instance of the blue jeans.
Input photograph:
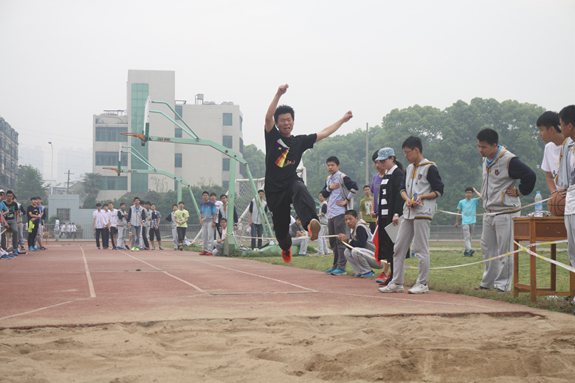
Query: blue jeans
(257, 231)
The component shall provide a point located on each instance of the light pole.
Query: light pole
(52, 171)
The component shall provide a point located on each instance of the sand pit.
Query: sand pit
(475, 348)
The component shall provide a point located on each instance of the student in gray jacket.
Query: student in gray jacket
(136, 218)
(420, 187)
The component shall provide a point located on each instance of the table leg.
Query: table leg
(533, 272)
(553, 268)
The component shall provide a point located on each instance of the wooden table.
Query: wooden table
(532, 230)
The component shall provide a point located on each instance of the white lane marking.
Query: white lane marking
(90, 283)
(33, 311)
(259, 276)
(165, 272)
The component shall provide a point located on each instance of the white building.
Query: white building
(198, 165)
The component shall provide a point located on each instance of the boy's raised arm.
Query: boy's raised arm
(273, 106)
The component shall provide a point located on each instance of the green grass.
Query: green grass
(464, 279)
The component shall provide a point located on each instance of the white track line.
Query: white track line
(259, 276)
(90, 283)
(40, 309)
(168, 274)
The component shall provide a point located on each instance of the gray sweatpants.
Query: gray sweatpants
(416, 230)
(175, 236)
(122, 236)
(218, 247)
(570, 226)
(467, 233)
(497, 239)
(207, 235)
(322, 242)
(360, 263)
(136, 236)
(336, 225)
(302, 243)
(15, 234)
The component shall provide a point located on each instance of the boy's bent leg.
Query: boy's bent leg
(303, 203)
(360, 260)
(404, 238)
(504, 229)
(354, 266)
(421, 248)
(467, 236)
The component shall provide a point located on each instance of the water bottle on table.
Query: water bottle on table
(538, 205)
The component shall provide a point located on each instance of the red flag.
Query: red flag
(376, 243)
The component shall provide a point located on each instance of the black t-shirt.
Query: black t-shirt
(12, 209)
(34, 210)
(283, 155)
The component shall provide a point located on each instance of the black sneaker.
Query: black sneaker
(471, 252)
(466, 254)
(481, 288)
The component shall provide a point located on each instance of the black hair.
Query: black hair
(395, 161)
(152, 204)
(261, 191)
(181, 202)
(488, 135)
(98, 204)
(469, 188)
(223, 219)
(147, 203)
(366, 186)
(375, 155)
(9, 192)
(123, 203)
(549, 119)
(110, 203)
(136, 198)
(353, 213)
(283, 109)
(413, 142)
(333, 159)
(567, 115)
(223, 195)
(212, 193)
(174, 205)
(297, 217)
(205, 192)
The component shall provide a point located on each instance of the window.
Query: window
(178, 111)
(228, 142)
(241, 123)
(111, 134)
(226, 184)
(178, 160)
(241, 146)
(226, 164)
(228, 119)
(115, 182)
(110, 159)
(64, 214)
(178, 133)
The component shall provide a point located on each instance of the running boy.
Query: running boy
(283, 186)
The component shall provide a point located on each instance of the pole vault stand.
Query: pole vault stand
(235, 157)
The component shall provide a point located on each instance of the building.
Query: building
(8, 156)
(198, 165)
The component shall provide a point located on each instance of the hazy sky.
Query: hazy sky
(63, 61)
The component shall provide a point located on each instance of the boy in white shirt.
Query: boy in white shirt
(550, 133)
(567, 121)
(113, 214)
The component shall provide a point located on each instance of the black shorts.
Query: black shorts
(113, 230)
(156, 233)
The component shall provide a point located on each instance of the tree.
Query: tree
(30, 184)
(92, 184)
(256, 160)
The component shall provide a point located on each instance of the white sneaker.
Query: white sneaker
(391, 288)
(418, 288)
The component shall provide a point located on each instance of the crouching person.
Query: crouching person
(218, 245)
(361, 257)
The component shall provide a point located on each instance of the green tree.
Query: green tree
(256, 160)
(91, 188)
(30, 184)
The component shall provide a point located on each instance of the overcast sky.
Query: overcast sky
(63, 61)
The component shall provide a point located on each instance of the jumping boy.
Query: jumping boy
(283, 186)
(419, 189)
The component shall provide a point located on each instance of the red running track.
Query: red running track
(76, 284)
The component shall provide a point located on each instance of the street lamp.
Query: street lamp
(52, 171)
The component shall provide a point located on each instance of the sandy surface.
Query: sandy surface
(476, 348)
